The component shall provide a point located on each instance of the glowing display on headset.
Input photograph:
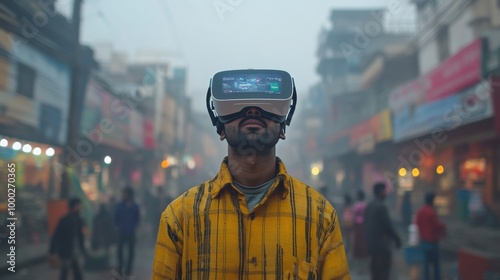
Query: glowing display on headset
(243, 83)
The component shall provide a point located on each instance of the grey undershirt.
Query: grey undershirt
(254, 195)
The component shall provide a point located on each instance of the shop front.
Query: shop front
(457, 170)
(35, 183)
(34, 108)
(444, 128)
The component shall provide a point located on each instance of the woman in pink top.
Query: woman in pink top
(359, 246)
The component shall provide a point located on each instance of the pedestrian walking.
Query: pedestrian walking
(253, 219)
(127, 218)
(348, 224)
(406, 209)
(431, 231)
(380, 234)
(359, 240)
(67, 244)
(103, 232)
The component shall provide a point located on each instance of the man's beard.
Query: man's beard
(252, 142)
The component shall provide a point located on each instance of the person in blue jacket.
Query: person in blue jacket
(126, 220)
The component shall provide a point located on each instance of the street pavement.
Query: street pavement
(144, 259)
(142, 268)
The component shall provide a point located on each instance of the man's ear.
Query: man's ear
(282, 134)
(222, 135)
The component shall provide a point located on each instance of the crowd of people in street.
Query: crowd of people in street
(369, 233)
(113, 226)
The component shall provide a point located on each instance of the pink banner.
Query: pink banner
(455, 74)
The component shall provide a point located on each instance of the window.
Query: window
(25, 80)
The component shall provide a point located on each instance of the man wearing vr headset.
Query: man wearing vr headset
(253, 220)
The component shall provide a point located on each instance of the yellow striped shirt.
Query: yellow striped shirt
(208, 233)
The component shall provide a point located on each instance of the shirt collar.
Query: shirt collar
(224, 178)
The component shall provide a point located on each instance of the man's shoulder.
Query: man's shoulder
(298, 185)
(198, 191)
(425, 211)
(302, 189)
(186, 200)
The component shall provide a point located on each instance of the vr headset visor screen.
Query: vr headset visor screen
(269, 90)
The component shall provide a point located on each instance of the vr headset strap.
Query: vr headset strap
(210, 108)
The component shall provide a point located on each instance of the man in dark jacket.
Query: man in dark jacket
(126, 221)
(68, 240)
(379, 233)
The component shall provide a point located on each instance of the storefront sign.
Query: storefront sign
(105, 117)
(364, 136)
(471, 105)
(458, 72)
(34, 92)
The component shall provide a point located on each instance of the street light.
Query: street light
(107, 159)
(16, 146)
(49, 152)
(27, 148)
(191, 164)
(37, 151)
(315, 171)
(440, 169)
(415, 172)
(402, 172)
(4, 143)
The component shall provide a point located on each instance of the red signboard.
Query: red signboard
(458, 72)
(365, 134)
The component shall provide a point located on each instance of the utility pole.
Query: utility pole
(73, 125)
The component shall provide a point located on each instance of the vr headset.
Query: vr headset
(231, 92)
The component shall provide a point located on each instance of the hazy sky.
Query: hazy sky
(239, 34)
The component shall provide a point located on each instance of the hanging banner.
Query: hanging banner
(471, 105)
(458, 72)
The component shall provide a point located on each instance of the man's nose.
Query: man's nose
(253, 111)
